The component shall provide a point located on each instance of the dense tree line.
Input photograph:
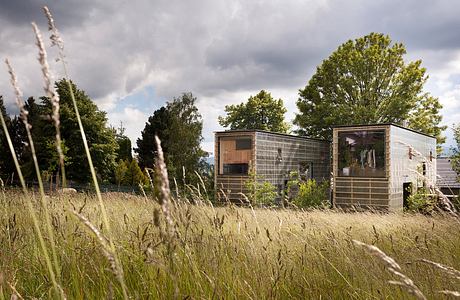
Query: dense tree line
(103, 140)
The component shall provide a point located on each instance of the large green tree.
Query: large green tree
(101, 138)
(259, 112)
(179, 126)
(367, 81)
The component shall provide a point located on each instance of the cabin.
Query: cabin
(271, 156)
(378, 166)
(447, 179)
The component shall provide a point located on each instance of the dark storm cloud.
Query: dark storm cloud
(71, 12)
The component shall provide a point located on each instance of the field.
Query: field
(221, 252)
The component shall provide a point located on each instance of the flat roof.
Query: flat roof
(383, 124)
(271, 132)
(447, 177)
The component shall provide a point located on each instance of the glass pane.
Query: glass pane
(234, 155)
(243, 144)
(362, 153)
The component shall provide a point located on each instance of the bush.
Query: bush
(308, 193)
(421, 201)
(260, 192)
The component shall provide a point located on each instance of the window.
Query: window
(236, 168)
(234, 155)
(243, 144)
(361, 153)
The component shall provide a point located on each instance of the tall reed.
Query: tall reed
(31, 209)
(57, 40)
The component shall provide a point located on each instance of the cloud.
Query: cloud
(222, 51)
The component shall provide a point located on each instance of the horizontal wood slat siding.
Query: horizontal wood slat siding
(361, 192)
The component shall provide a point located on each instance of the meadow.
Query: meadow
(160, 246)
(220, 252)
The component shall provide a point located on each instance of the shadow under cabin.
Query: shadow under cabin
(378, 166)
(271, 156)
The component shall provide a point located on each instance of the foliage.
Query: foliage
(421, 201)
(101, 139)
(261, 192)
(179, 126)
(120, 171)
(134, 174)
(307, 193)
(124, 151)
(259, 112)
(455, 159)
(367, 81)
(6, 164)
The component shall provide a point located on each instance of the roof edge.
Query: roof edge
(271, 132)
(383, 124)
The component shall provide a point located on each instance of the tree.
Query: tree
(455, 159)
(124, 143)
(120, 172)
(259, 112)
(6, 162)
(101, 139)
(367, 81)
(133, 175)
(179, 126)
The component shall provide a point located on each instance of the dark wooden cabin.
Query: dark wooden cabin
(272, 156)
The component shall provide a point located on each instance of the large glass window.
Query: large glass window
(234, 155)
(361, 153)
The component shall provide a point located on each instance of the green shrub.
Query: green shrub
(421, 201)
(260, 192)
(308, 193)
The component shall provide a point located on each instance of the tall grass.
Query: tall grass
(228, 252)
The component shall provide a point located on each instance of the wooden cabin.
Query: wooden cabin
(377, 166)
(272, 156)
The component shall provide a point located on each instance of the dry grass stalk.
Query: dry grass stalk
(57, 39)
(165, 192)
(52, 95)
(450, 293)
(23, 115)
(405, 282)
(446, 269)
(104, 242)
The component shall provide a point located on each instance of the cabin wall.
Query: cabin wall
(230, 187)
(365, 192)
(294, 152)
(404, 165)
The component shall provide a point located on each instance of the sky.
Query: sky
(132, 56)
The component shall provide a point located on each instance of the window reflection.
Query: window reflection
(362, 153)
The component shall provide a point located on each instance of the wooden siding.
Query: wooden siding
(364, 192)
(228, 153)
(230, 187)
(361, 192)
